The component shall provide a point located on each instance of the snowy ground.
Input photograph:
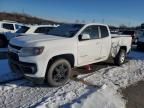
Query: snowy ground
(99, 89)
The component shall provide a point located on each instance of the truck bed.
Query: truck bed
(118, 41)
(117, 35)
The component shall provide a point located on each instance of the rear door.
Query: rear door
(106, 42)
(89, 50)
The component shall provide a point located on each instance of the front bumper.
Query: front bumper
(35, 79)
(24, 68)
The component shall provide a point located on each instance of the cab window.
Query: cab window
(17, 26)
(92, 31)
(104, 31)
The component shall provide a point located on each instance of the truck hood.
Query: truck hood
(34, 38)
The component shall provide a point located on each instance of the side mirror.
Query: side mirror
(85, 37)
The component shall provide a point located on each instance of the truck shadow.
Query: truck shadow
(136, 54)
(90, 90)
(94, 67)
(3, 55)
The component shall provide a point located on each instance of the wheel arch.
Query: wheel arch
(69, 57)
(123, 48)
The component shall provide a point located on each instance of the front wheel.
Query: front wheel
(59, 73)
(120, 58)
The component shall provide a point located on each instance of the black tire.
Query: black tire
(60, 76)
(120, 58)
(3, 41)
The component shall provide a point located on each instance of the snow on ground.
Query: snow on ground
(106, 97)
(99, 89)
(103, 98)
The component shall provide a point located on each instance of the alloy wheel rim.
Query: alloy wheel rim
(60, 73)
(122, 59)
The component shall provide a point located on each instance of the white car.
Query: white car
(51, 57)
(35, 29)
(9, 26)
(25, 30)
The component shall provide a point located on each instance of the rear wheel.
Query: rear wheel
(59, 73)
(120, 58)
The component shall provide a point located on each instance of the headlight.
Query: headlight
(30, 51)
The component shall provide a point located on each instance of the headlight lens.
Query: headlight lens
(30, 51)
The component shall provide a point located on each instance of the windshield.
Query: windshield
(23, 29)
(66, 30)
(17, 26)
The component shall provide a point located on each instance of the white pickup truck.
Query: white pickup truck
(51, 57)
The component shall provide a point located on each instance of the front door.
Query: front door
(89, 50)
